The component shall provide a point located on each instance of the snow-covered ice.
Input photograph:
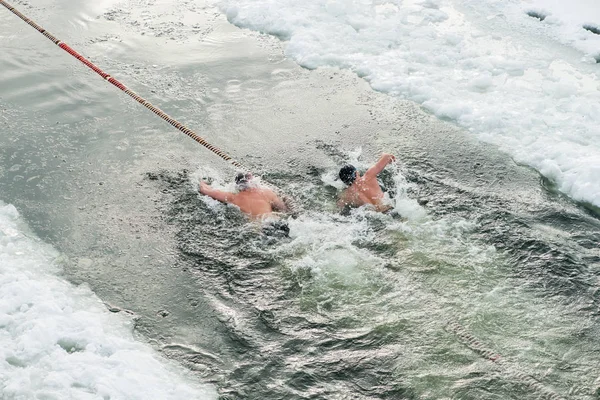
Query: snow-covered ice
(570, 22)
(58, 341)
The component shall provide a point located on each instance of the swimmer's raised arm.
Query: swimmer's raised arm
(216, 194)
(376, 169)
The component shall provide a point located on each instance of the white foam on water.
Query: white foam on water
(58, 341)
(403, 204)
(535, 101)
(325, 245)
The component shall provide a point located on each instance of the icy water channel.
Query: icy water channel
(357, 306)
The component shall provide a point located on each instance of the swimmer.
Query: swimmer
(254, 201)
(363, 190)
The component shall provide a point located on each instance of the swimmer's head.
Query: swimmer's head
(242, 180)
(348, 174)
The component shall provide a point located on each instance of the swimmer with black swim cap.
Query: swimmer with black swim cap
(253, 200)
(363, 190)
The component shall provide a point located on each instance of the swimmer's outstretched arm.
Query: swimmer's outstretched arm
(216, 194)
(376, 169)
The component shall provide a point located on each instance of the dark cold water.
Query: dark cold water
(348, 306)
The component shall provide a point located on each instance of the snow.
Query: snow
(58, 341)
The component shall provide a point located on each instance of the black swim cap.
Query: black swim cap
(348, 174)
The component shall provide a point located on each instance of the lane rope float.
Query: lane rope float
(171, 121)
(474, 344)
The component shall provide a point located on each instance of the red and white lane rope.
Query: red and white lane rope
(474, 344)
(173, 122)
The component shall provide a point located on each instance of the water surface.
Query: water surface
(352, 306)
